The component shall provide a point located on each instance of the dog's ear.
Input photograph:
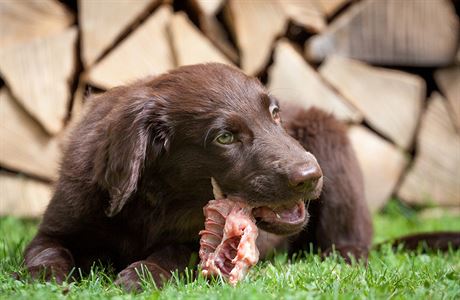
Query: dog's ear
(133, 129)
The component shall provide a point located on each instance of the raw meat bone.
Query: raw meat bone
(228, 242)
(217, 192)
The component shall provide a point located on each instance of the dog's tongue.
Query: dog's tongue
(284, 214)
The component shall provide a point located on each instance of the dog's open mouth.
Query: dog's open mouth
(283, 219)
(286, 215)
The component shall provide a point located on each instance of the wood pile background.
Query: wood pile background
(389, 68)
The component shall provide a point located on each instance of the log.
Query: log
(38, 73)
(392, 32)
(255, 25)
(22, 21)
(448, 81)
(24, 146)
(435, 174)
(381, 162)
(77, 103)
(307, 14)
(103, 21)
(330, 7)
(209, 7)
(391, 101)
(190, 46)
(218, 36)
(291, 79)
(439, 212)
(145, 52)
(206, 11)
(23, 197)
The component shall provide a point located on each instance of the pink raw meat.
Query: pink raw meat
(228, 242)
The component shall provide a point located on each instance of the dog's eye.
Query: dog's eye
(275, 111)
(225, 138)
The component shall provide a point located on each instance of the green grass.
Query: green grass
(389, 274)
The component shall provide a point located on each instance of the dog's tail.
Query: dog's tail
(442, 241)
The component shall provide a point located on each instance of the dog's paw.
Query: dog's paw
(131, 278)
(48, 273)
(52, 263)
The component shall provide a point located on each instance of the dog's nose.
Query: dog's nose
(304, 176)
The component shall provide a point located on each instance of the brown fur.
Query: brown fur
(136, 174)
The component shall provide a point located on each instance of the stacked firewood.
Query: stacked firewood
(389, 68)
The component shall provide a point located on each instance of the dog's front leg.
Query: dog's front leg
(159, 266)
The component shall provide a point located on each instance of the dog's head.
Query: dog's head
(203, 121)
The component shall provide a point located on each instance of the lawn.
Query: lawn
(389, 274)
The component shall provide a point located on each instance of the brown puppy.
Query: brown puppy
(136, 175)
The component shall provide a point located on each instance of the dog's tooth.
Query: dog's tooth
(278, 216)
(216, 189)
